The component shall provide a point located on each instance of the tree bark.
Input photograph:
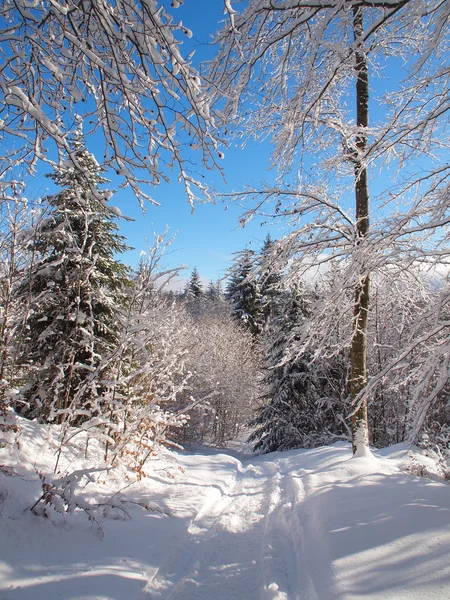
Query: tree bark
(358, 353)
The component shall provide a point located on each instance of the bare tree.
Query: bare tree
(17, 254)
(298, 73)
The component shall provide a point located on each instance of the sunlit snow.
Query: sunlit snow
(304, 524)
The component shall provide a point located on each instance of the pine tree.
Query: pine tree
(243, 292)
(269, 282)
(301, 408)
(215, 302)
(212, 293)
(278, 419)
(193, 294)
(195, 284)
(77, 288)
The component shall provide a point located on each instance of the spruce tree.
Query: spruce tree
(195, 284)
(269, 282)
(75, 291)
(194, 295)
(278, 421)
(212, 293)
(301, 407)
(243, 292)
(215, 301)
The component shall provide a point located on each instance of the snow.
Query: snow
(304, 524)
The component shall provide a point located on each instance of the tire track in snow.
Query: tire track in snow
(310, 543)
(261, 539)
(222, 556)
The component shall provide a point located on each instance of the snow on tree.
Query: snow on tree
(119, 66)
(224, 384)
(73, 293)
(17, 214)
(151, 373)
(299, 74)
(194, 296)
(214, 302)
(195, 284)
(413, 373)
(404, 327)
(269, 279)
(214, 293)
(398, 299)
(304, 400)
(243, 292)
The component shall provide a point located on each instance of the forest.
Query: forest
(336, 329)
(282, 431)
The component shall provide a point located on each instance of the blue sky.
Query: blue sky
(208, 237)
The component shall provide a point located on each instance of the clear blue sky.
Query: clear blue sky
(208, 237)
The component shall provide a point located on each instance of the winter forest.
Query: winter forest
(331, 335)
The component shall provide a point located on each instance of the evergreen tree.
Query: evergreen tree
(215, 301)
(195, 284)
(219, 291)
(243, 292)
(269, 281)
(75, 291)
(212, 293)
(193, 294)
(301, 407)
(277, 422)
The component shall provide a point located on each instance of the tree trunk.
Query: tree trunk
(358, 354)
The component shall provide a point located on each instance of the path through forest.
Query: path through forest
(300, 525)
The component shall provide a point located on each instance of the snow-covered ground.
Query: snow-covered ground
(306, 524)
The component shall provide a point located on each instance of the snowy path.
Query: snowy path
(302, 525)
(280, 532)
(240, 540)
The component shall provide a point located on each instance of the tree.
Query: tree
(397, 299)
(195, 285)
(194, 296)
(17, 214)
(224, 382)
(73, 293)
(413, 359)
(243, 292)
(215, 302)
(149, 364)
(304, 399)
(269, 281)
(118, 66)
(287, 71)
(214, 293)
(278, 425)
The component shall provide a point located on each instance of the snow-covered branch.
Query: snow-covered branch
(117, 65)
